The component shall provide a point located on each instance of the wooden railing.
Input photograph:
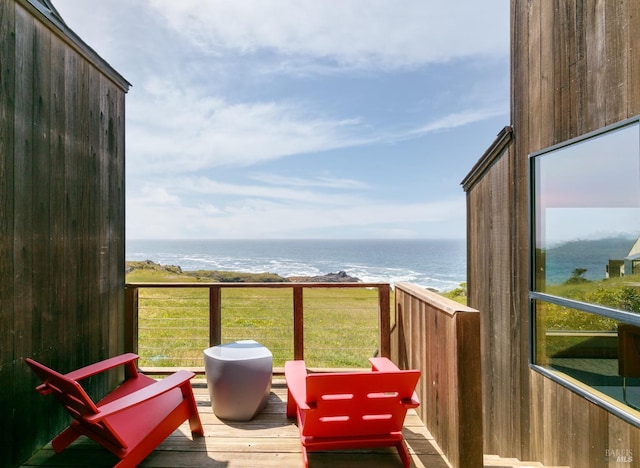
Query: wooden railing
(215, 310)
(441, 338)
(431, 333)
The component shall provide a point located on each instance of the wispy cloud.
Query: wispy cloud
(184, 130)
(321, 181)
(191, 131)
(459, 119)
(293, 194)
(353, 33)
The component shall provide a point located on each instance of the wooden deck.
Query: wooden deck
(269, 440)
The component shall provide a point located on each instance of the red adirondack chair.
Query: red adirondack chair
(353, 409)
(133, 419)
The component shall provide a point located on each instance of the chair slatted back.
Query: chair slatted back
(358, 403)
(75, 400)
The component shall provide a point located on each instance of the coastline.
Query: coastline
(237, 276)
(437, 264)
(149, 271)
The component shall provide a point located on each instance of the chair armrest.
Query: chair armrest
(413, 402)
(382, 364)
(295, 373)
(140, 396)
(102, 366)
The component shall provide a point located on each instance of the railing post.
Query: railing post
(215, 316)
(298, 323)
(131, 319)
(384, 320)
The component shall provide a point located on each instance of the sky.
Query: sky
(302, 118)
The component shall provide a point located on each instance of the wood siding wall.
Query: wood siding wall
(575, 67)
(61, 218)
(491, 257)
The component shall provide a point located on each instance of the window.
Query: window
(585, 275)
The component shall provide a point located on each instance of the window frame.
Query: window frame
(632, 318)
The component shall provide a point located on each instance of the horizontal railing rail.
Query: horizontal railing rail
(215, 305)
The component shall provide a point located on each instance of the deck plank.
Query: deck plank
(269, 440)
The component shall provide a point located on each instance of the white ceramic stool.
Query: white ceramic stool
(239, 378)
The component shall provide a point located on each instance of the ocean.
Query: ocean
(438, 264)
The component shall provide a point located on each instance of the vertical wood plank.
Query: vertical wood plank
(215, 315)
(41, 209)
(384, 320)
(566, 69)
(532, 58)
(546, 50)
(598, 434)
(57, 190)
(7, 204)
(615, 50)
(632, 47)
(595, 45)
(85, 316)
(581, 95)
(580, 455)
(116, 226)
(563, 437)
(131, 320)
(298, 323)
(24, 325)
(619, 440)
(108, 261)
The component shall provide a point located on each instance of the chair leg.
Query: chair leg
(305, 457)
(194, 417)
(404, 454)
(291, 406)
(64, 439)
(196, 425)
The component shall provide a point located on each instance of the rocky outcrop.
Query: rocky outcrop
(149, 265)
(340, 277)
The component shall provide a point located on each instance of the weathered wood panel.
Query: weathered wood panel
(61, 216)
(441, 338)
(579, 433)
(574, 70)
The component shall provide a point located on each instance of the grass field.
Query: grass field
(616, 293)
(562, 331)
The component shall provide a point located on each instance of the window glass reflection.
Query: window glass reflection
(587, 220)
(594, 350)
